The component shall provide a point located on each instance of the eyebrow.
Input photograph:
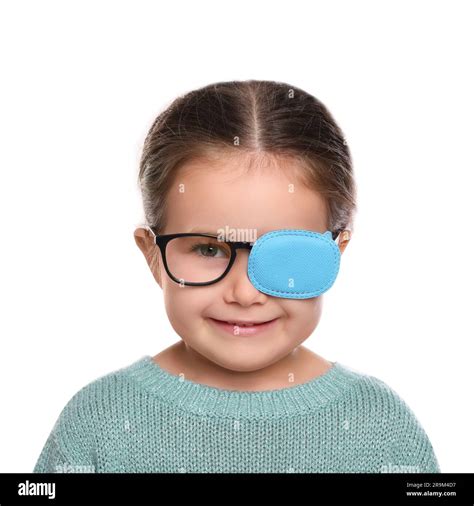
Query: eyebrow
(200, 230)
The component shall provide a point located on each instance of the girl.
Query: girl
(246, 187)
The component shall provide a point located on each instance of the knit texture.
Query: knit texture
(142, 418)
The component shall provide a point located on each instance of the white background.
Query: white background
(81, 83)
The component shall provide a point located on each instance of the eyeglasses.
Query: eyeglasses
(197, 259)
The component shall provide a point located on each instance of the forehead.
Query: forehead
(210, 194)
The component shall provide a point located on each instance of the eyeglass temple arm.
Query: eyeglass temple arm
(147, 227)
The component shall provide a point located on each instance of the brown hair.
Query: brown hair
(252, 118)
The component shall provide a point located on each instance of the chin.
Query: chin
(243, 364)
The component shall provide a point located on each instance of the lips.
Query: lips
(240, 328)
(245, 324)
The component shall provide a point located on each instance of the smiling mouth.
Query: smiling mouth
(243, 324)
(244, 329)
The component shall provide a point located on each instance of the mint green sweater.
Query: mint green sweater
(142, 418)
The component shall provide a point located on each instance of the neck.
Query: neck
(297, 367)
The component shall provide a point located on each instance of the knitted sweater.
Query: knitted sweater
(142, 418)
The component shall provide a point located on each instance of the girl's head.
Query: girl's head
(243, 155)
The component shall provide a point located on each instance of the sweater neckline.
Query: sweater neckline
(199, 398)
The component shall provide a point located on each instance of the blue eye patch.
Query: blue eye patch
(294, 264)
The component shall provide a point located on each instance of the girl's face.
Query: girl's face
(209, 195)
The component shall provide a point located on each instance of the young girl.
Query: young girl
(246, 188)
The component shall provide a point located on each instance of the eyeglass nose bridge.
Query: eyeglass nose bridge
(235, 246)
(243, 245)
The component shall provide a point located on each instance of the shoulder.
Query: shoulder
(387, 418)
(378, 401)
(90, 414)
(375, 394)
(97, 400)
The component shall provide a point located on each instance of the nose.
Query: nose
(239, 288)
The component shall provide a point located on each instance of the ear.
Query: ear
(144, 240)
(344, 238)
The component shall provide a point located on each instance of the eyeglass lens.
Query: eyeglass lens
(197, 259)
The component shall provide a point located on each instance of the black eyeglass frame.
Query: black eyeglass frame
(162, 240)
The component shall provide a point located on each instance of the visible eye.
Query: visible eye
(209, 250)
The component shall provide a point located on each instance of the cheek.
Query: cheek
(303, 315)
(185, 305)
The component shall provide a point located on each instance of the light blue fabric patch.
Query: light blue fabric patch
(294, 264)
